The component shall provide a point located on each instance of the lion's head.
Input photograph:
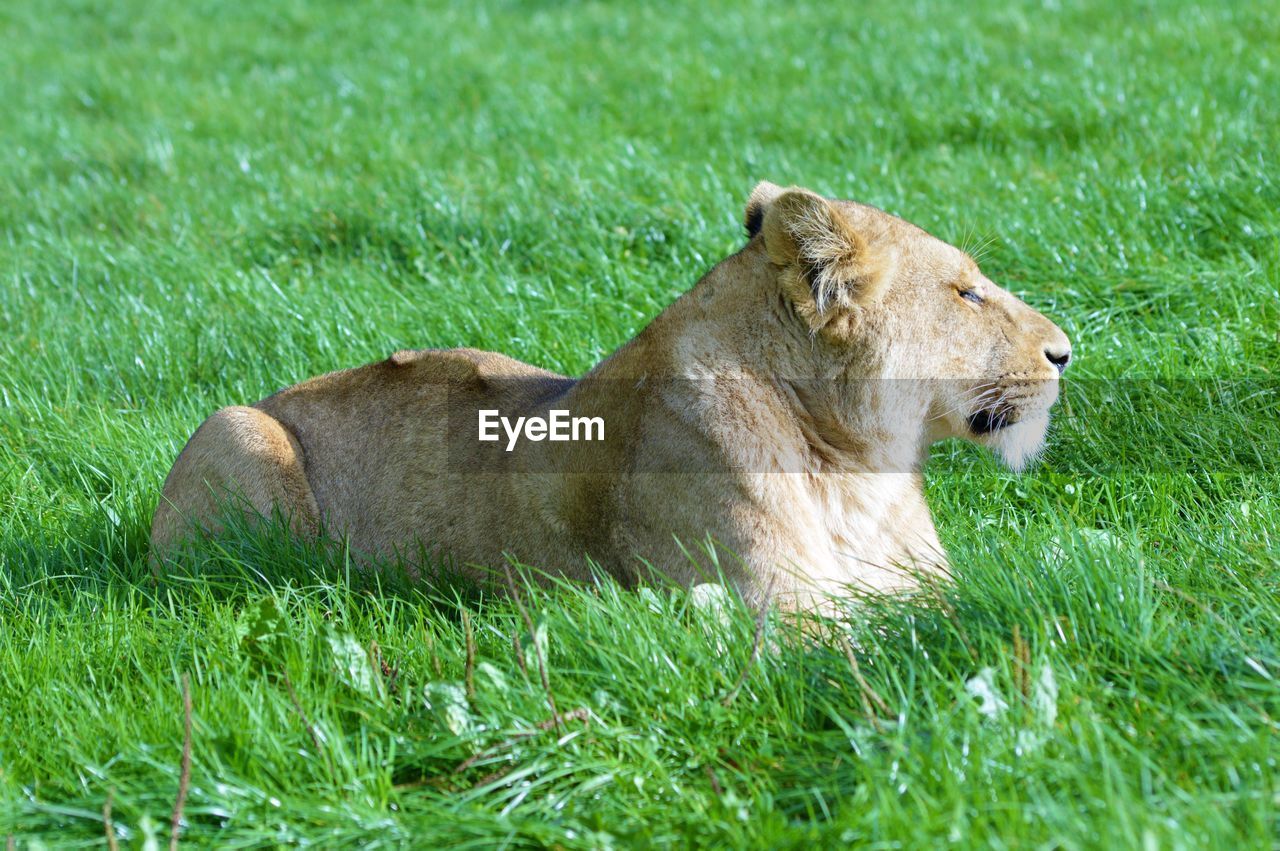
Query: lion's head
(889, 307)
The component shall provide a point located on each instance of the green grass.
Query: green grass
(201, 203)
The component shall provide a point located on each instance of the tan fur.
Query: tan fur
(783, 406)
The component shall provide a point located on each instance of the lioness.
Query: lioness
(782, 409)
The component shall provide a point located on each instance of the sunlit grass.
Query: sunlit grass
(202, 204)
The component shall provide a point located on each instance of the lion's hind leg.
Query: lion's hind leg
(239, 453)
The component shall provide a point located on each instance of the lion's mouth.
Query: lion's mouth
(986, 422)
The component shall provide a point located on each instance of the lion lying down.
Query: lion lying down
(783, 407)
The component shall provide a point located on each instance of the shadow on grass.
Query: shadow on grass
(96, 560)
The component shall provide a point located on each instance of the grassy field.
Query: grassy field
(203, 202)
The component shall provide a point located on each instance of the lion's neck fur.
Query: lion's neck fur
(730, 352)
(727, 362)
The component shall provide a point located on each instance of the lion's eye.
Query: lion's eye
(971, 295)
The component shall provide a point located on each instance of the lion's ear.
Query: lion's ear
(762, 196)
(809, 236)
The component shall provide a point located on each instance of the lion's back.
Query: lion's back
(386, 445)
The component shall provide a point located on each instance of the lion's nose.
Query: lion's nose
(1059, 357)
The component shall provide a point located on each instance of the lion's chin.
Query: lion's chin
(1018, 443)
